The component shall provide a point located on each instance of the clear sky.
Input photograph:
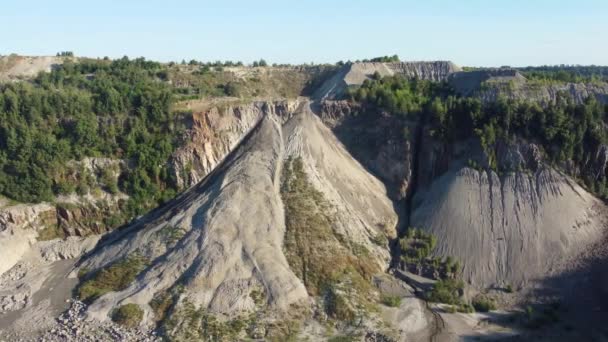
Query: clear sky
(468, 32)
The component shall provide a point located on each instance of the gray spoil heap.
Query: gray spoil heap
(232, 224)
(466, 82)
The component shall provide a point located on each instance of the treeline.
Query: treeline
(95, 108)
(219, 64)
(567, 73)
(215, 64)
(568, 132)
(65, 54)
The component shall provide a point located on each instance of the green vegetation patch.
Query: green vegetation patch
(483, 304)
(416, 247)
(171, 235)
(115, 277)
(392, 301)
(187, 323)
(129, 315)
(51, 232)
(328, 266)
(448, 291)
(94, 108)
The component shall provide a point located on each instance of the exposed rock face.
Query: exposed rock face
(214, 133)
(233, 224)
(599, 163)
(546, 94)
(22, 225)
(433, 71)
(491, 84)
(354, 75)
(382, 143)
(18, 230)
(15, 67)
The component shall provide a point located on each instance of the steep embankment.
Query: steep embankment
(509, 228)
(221, 242)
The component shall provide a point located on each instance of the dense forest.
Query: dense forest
(568, 132)
(97, 108)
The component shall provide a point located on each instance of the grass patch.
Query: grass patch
(392, 301)
(116, 277)
(328, 265)
(51, 232)
(129, 315)
(171, 235)
(161, 304)
(186, 323)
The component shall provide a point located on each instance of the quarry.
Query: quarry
(307, 204)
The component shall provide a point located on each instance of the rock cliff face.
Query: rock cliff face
(545, 94)
(491, 84)
(214, 132)
(19, 227)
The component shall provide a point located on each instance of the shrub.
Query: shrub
(392, 301)
(379, 239)
(129, 315)
(509, 288)
(483, 304)
(446, 291)
(466, 308)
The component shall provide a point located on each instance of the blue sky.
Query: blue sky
(468, 32)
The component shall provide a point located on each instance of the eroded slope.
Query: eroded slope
(220, 244)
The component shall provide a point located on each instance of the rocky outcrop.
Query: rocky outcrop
(16, 67)
(18, 230)
(22, 225)
(355, 73)
(214, 132)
